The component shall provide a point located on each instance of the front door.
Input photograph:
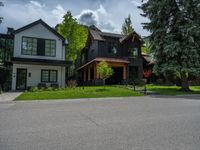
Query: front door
(21, 79)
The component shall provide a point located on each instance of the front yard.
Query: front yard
(78, 92)
(172, 90)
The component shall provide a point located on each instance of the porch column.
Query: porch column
(89, 73)
(84, 74)
(96, 76)
(124, 72)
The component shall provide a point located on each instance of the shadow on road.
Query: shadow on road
(188, 97)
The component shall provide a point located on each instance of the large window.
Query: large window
(29, 46)
(39, 47)
(134, 52)
(50, 48)
(112, 48)
(49, 76)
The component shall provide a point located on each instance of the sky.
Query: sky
(107, 15)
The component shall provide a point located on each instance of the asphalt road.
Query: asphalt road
(142, 123)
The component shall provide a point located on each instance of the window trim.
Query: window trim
(49, 76)
(37, 45)
(110, 46)
(22, 45)
(50, 44)
(131, 52)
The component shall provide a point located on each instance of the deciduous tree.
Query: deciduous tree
(104, 70)
(75, 33)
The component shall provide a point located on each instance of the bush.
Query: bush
(42, 86)
(54, 85)
(159, 81)
(34, 89)
(139, 82)
(72, 83)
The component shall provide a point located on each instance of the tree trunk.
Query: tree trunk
(184, 83)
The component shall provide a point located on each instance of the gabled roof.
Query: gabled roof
(100, 36)
(40, 21)
(97, 34)
(132, 35)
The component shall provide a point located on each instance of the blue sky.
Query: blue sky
(108, 15)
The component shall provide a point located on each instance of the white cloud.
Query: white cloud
(31, 11)
(136, 3)
(37, 4)
(100, 18)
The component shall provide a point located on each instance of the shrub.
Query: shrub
(139, 82)
(54, 85)
(34, 89)
(72, 83)
(159, 81)
(42, 86)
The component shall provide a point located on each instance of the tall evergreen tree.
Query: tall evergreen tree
(175, 42)
(127, 26)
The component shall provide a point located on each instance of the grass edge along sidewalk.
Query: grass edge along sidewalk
(78, 92)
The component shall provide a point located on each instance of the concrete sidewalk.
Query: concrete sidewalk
(9, 96)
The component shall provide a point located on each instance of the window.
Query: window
(29, 46)
(50, 48)
(39, 47)
(112, 48)
(49, 76)
(134, 52)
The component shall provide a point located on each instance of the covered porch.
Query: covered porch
(88, 72)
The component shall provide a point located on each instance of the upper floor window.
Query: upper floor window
(134, 52)
(29, 46)
(50, 48)
(112, 48)
(38, 47)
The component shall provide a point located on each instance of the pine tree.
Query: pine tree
(127, 26)
(175, 42)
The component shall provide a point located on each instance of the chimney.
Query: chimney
(9, 30)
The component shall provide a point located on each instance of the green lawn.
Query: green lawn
(79, 92)
(172, 90)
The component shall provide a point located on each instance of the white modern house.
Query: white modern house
(38, 57)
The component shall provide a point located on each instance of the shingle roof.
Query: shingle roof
(95, 35)
(100, 36)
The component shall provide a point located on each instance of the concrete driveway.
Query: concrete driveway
(9, 96)
(141, 123)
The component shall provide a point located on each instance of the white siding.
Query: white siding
(39, 31)
(35, 71)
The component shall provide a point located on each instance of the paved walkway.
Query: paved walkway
(9, 96)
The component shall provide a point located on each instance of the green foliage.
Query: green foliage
(146, 48)
(75, 33)
(174, 39)
(104, 70)
(127, 27)
(72, 83)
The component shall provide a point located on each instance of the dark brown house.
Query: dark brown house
(122, 53)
